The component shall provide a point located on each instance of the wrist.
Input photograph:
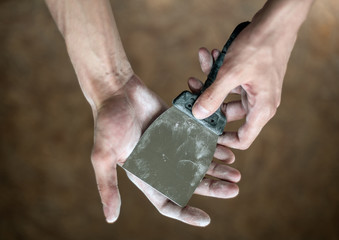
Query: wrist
(279, 21)
(98, 86)
(98, 58)
(94, 46)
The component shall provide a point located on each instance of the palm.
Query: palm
(122, 119)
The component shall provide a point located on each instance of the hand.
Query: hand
(255, 71)
(254, 67)
(119, 123)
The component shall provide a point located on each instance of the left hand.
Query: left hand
(119, 123)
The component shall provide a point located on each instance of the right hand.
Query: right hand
(256, 74)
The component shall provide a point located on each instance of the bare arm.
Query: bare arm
(94, 46)
(122, 108)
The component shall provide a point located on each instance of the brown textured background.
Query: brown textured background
(290, 175)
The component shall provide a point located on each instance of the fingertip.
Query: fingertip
(202, 219)
(215, 53)
(194, 84)
(234, 191)
(205, 59)
(205, 222)
(112, 208)
(224, 154)
(111, 214)
(226, 189)
(203, 53)
(209, 101)
(231, 158)
(190, 82)
(238, 178)
(203, 49)
(111, 219)
(199, 111)
(194, 216)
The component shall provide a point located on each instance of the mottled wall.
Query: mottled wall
(290, 175)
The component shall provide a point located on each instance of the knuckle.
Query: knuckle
(214, 167)
(244, 145)
(101, 187)
(268, 112)
(271, 112)
(98, 156)
(95, 155)
(278, 102)
(110, 186)
(164, 210)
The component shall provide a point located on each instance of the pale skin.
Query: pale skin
(123, 107)
(254, 67)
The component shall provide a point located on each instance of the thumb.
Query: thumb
(211, 99)
(106, 177)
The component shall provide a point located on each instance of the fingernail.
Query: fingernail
(200, 112)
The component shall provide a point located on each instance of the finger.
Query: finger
(247, 133)
(224, 154)
(217, 188)
(224, 172)
(106, 177)
(238, 140)
(211, 99)
(233, 110)
(237, 90)
(188, 214)
(194, 85)
(215, 54)
(205, 60)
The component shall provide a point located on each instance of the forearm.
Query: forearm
(273, 31)
(279, 21)
(279, 17)
(94, 46)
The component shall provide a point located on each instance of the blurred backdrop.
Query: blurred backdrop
(290, 175)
